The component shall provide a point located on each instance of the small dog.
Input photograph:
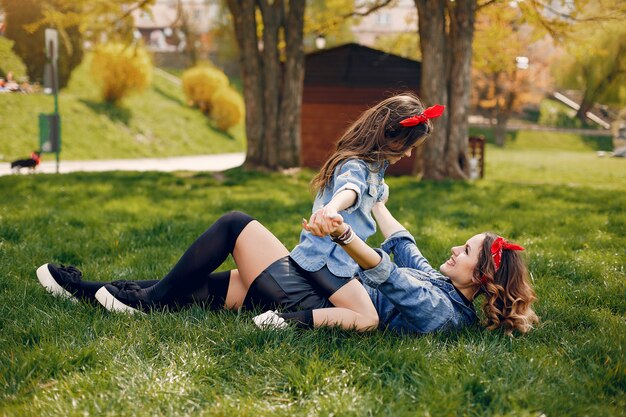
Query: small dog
(30, 163)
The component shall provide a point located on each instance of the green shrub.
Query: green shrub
(200, 83)
(121, 70)
(227, 108)
(9, 61)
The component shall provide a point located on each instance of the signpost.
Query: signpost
(50, 124)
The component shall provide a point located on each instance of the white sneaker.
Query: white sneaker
(269, 320)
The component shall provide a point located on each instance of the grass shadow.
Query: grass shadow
(598, 143)
(115, 114)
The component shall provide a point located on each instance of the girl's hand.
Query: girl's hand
(332, 226)
(321, 222)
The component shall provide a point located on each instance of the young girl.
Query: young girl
(351, 182)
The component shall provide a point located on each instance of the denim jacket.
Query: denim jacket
(410, 296)
(367, 180)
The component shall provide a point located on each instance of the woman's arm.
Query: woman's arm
(387, 223)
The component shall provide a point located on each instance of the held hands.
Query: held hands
(324, 221)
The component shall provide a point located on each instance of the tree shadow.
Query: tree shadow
(115, 114)
(168, 96)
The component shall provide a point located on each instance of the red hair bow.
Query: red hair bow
(496, 250)
(429, 113)
(497, 247)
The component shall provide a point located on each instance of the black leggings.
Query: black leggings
(192, 279)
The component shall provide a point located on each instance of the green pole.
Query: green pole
(55, 87)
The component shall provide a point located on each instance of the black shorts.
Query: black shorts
(284, 285)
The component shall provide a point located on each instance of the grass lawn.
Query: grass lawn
(565, 205)
(155, 123)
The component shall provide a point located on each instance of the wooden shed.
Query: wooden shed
(339, 84)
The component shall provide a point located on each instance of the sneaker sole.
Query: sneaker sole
(51, 285)
(111, 303)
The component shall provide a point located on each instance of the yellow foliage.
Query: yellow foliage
(227, 108)
(121, 70)
(200, 83)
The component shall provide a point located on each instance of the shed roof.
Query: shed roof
(360, 66)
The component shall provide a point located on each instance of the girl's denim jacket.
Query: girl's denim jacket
(367, 181)
(410, 296)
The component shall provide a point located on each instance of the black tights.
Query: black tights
(192, 279)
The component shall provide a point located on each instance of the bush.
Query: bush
(227, 108)
(9, 61)
(200, 83)
(121, 70)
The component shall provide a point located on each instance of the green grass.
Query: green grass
(155, 123)
(64, 358)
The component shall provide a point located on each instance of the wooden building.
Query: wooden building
(339, 84)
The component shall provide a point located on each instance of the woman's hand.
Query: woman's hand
(322, 224)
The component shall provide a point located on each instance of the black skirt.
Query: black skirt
(285, 286)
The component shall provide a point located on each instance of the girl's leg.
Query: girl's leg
(353, 311)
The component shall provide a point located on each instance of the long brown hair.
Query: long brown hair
(508, 292)
(377, 135)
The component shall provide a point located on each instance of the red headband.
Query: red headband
(497, 247)
(429, 113)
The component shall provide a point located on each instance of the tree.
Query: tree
(596, 64)
(503, 80)
(446, 30)
(270, 38)
(76, 22)
(20, 15)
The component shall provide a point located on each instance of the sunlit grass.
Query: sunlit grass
(64, 358)
(155, 123)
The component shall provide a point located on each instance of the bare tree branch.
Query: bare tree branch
(485, 4)
(138, 6)
(376, 6)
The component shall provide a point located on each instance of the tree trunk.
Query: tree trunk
(462, 16)
(272, 88)
(291, 104)
(432, 33)
(500, 130)
(446, 79)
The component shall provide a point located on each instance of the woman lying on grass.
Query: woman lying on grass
(405, 295)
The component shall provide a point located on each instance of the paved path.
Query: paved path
(219, 162)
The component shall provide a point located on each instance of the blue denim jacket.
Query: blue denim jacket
(367, 180)
(410, 295)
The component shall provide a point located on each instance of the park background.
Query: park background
(550, 185)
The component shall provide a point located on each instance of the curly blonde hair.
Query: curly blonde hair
(508, 292)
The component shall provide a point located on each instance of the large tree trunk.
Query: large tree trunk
(446, 79)
(290, 106)
(432, 33)
(272, 88)
(462, 15)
